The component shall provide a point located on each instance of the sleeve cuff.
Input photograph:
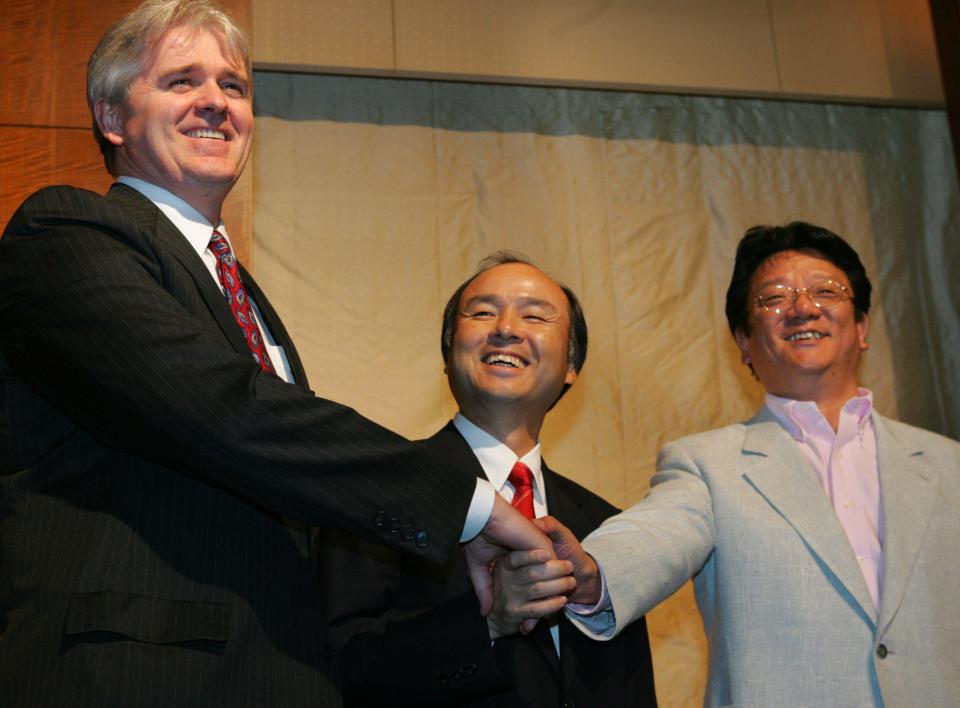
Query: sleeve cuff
(481, 506)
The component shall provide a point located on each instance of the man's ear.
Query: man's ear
(742, 344)
(110, 120)
(571, 375)
(863, 326)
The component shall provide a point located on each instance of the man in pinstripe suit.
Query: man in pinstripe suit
(156, 481)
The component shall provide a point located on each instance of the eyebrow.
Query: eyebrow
(521, 302)
(816, 277)
(193, 68)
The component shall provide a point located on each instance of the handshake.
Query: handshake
(523, 570)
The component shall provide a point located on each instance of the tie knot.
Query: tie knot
(522, 480)
(520, 476)
(219, 245)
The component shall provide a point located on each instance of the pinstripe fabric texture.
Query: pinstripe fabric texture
(147, 466)
(410, 633)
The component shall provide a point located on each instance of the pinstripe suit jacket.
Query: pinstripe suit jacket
(787, 612)
(411, 634)
(147, 466)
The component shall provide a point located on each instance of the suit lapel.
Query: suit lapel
(569, 511)
(776, 468)
(142, 211)
(908, 496)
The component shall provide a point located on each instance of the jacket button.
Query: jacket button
(444, 678)
(471, 669)
(882, 651)
(328, 653)
(568, 704)
(395, 525)
(422, 539)
(408, 533)
(380, 519)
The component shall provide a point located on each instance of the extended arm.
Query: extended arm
(649, 550)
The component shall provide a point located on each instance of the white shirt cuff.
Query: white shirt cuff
(481, 506)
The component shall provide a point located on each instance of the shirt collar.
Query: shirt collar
(495, 458)
(800, 417)
(189, 222)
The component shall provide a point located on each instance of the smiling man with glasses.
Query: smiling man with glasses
(821, 536)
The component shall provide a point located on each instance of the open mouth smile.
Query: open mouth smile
(808, 335)
(206, 133)
(510, 361)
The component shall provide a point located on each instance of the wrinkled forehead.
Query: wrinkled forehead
(796, 268)
(516, 282)
(180, 45)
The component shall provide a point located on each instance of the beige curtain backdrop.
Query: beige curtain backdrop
(375, 198)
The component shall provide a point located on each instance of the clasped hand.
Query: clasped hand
(516, 588)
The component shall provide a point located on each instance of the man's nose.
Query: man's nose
(211, 98)
(803, 305)
(507, 325)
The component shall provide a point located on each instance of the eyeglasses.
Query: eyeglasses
(825, 295)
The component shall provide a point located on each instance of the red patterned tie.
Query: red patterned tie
(522, 480)
(237, 299)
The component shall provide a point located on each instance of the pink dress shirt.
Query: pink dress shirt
(845, 462)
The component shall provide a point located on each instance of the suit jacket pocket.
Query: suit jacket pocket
(148, 619)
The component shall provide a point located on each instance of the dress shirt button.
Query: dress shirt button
(422, 539)
(882, 651)
(847, 505)
(380, 519)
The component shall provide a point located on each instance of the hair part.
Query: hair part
(123, 50)
(577, 336)
(759, 243)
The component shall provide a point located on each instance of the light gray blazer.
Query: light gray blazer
(787, 613)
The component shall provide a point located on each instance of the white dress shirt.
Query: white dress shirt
(497, 460)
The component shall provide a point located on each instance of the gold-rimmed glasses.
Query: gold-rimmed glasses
(824, 295)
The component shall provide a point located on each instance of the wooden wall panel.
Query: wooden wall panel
(337, 35)
(32, 157)
(45, 126)
(857, 50)
(620, 43)
(46, 44)
(827, 47)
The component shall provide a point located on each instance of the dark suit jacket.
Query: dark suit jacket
(147, 466)
(411, 634)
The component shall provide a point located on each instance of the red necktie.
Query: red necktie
(237, 299)
(522, 480)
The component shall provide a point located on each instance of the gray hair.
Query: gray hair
(120, 56)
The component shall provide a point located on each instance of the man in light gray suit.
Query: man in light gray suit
(821, 536)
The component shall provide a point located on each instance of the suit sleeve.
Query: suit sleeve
(649, 550)
(407, 633)
(100, 324)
